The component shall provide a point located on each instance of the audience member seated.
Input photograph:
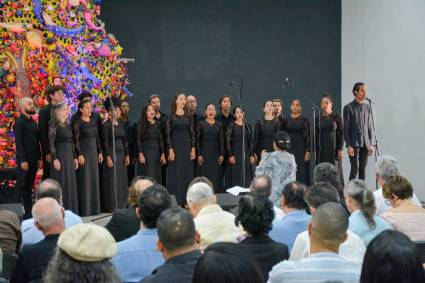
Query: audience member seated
(386, 166)
(404, 215)
(327, 172)
(296, 219)
(34, 258)
(179, 243)
(263, 184)
(137, 256)
(48, 188)
(124, 222)
(392, 257)
(83, 255)
(256, 216)
(327, 231)
(361, 204)
(10, 232)
(213, 223)
(352, 248)
(227, 263)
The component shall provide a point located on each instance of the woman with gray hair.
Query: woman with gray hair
(63, 156)
(361, 205)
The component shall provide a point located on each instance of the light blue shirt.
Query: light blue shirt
(31, 235)
(286, 230)
(318, 267)
(137, 256)
(359, 225)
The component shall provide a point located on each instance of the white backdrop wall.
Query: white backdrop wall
(383, 45)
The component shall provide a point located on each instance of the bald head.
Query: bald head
(26, 105)
(138, 186)
(329, 225)
(48, 216)
(261, 184)
(49, 188)
(198, 196)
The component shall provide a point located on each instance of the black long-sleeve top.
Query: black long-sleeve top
(151, 132)
(358, 126)
(58, 134)
(234, 132)
(82, 129)
(43, 126)
(263, 132)
(297, 125)
(336, 125)
(96, 117)
(171, 125)
(26, 139)
(107, 137)
(206, 131)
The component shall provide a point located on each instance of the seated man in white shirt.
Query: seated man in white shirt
(263, 184)
(385, 167)
(47, 188)
(352, 248)
(327, 231)
(212, 223)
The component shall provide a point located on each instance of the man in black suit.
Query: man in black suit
(179, 243)
(124, 222)
(27, 154)
(54, 95)
(34, 259)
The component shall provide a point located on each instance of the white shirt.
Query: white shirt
(381, 206)
(353, 249)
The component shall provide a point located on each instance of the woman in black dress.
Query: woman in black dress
(112, 199)
(234, 140)
(63, 155)
(298, 127)
(210, 148)
(87, 148)
(264, 130)
(330, 136)
(150, 145)
(180, 142)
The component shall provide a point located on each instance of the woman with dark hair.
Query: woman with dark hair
(234, 141)
(392, 257)
(63, 155)
(180, 143)
(112, 199)
(279, 165)
(330, 136)
(227, 263)
(361, 204)
(210, 148)
(264, 130)
(150, 145)
(256, 214)
(298, 127)
(89, 154)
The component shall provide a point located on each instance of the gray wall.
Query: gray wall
(383, 44)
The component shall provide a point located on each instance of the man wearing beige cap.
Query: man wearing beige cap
(33, 259)
(83, 256)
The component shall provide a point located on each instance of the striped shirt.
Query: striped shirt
(318, 267)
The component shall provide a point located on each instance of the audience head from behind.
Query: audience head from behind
(201, 179)
(48, 216)
(328, 228)
(138, 185)
(392, 257)
(327, 172)
(227, 263)
(153, 201)
(320, 193)
(255, 214)
(198, 196)
(281, 141)
(261, 184)
(385, 167)
(358, 197)
(176, 233)
(293, 197)
(396, 190)
(49, 188)
(83, 255)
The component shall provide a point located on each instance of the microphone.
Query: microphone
(232, 83)
(286, 82)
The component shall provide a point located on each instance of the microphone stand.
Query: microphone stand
(314, 107)
(238, 93)
(376, 137)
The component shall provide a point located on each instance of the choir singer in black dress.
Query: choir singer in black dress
(330, 136)
(234, 138)
(210, 148)
(89, 155)
(265, 128)
(298, 127)
(114, 197)
(150, 145)
(180, 142)
(64, 158)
